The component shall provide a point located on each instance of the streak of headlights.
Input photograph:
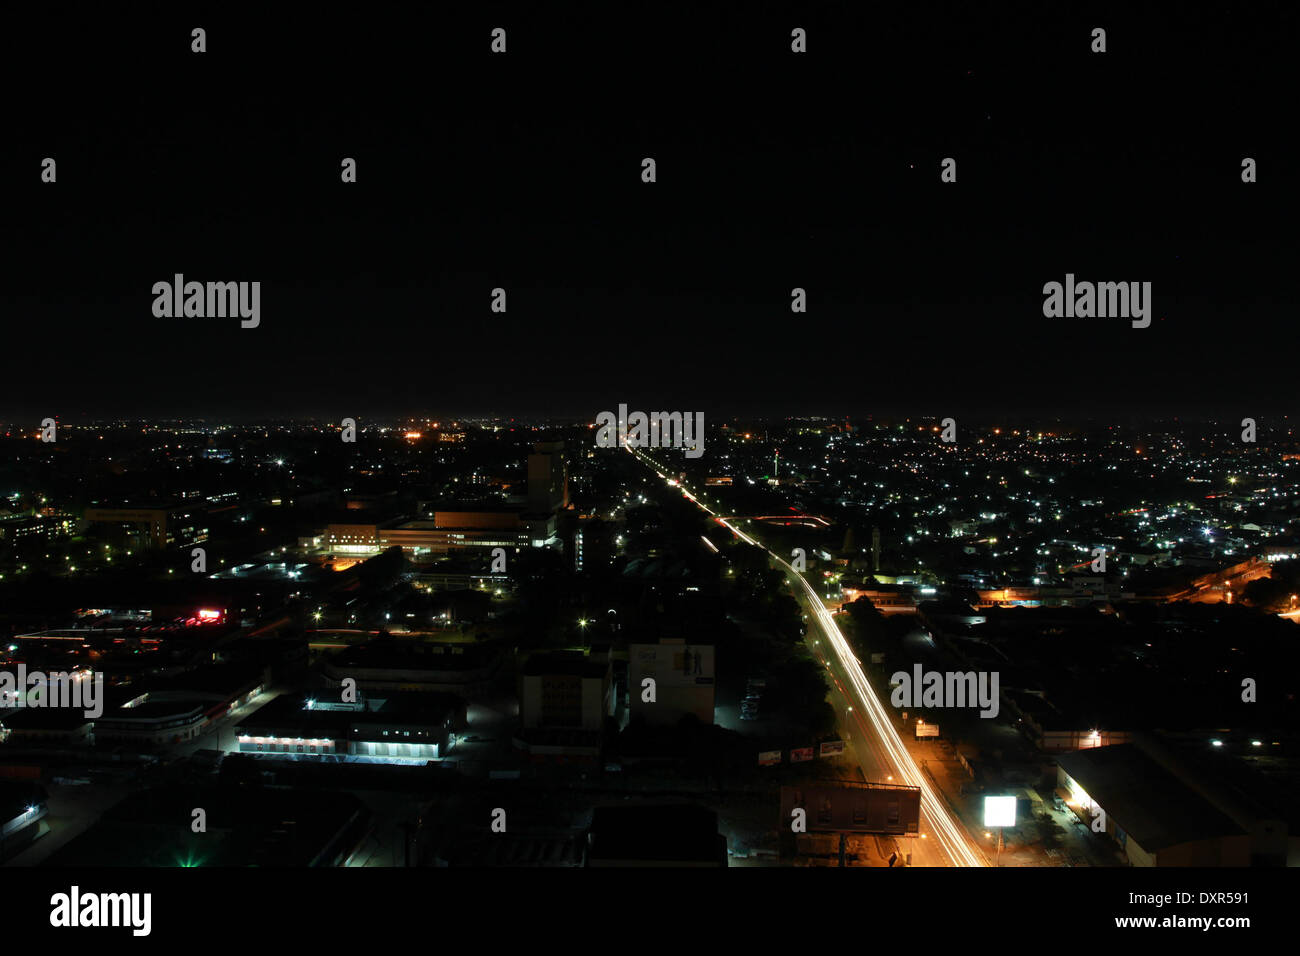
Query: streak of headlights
(946, 831)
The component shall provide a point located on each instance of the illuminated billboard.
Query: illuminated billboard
(673, 665)
(999, 811)
(682, 676)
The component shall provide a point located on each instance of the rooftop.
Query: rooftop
(1154, 807)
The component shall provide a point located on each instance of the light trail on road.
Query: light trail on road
(947, 832)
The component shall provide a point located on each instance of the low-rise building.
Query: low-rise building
(1156, 818)
(396, 728)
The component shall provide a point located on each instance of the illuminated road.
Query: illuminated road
(869, 718)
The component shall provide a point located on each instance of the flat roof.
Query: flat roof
(288, 712)
(568, 664)
(433, 657)
(1154, 807)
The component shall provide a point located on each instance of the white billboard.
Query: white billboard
(999, 811)
(667, 681)
(672, 665)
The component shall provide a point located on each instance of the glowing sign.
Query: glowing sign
(209, 614)
(999, 811)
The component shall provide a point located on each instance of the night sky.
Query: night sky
(775, 170)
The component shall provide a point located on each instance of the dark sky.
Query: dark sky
(523, 171)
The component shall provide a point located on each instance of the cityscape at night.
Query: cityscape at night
(493, 440)
(484, 600)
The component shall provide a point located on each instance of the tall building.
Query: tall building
(564, 699)
(548, 479)
(566, 689)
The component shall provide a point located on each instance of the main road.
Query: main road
(943, 841)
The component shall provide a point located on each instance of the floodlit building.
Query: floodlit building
(395, 728)
(1156, 818)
